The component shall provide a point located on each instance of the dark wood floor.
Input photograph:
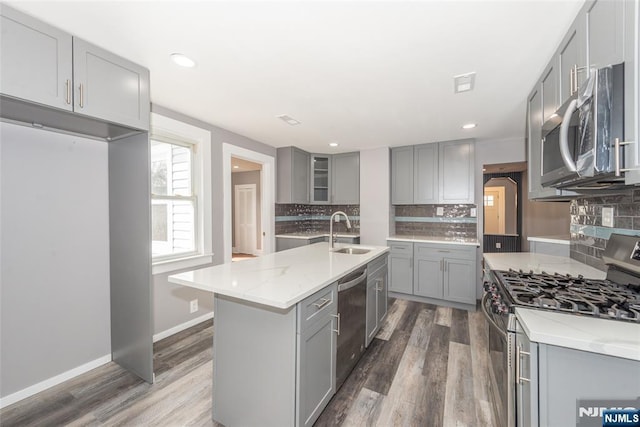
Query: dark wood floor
(426, 367)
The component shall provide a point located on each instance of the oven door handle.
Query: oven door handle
(488, 315)
(564, 136)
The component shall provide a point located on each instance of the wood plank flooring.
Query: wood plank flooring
(426, 367)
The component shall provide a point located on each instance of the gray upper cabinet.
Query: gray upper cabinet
(425, 171)
(345, 178)
(572, 69)
(109, 87)
(402, 176)
(292, 175)
(436, 173)
(456, 172)
(320, 178)
(550, 92)
(35, 60)
(632, 92)
(605, 32)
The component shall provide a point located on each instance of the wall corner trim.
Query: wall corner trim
(181, 327)
(53, 381)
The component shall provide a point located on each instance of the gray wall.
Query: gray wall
(171, 302)
(239, 178)
(54, 282)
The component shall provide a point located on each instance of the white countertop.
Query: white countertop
(603, 336)
(279, 279)
(558, 239)
(434, 239)
(307, 236)
(529, 261)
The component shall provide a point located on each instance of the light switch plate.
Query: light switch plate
(474, 212)
(607, 217)
(439, 211)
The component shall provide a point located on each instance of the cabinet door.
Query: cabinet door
(428, 276)
(526, 401)
(631, 92)
(316, 369)
(550, 91)
(345, 179)
(381, 291)
(572, 60)
(459, 280)
(109, 87)
(320, 178)
(456, 172)
(534, 141)
(402, 176)
(35, 60)
(605, 36)
(401, 273)
(300, 176)
(372, 308)
(425, 171)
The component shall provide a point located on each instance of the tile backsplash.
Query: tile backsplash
(296, 218)
(423, 220)
(589, 237)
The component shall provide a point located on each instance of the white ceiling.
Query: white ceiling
(364, 74)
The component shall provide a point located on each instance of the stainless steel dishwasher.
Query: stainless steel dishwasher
(352, 300)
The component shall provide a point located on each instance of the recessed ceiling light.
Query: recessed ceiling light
(289, 120)
(464, 82)
(333, 144)
(236, 167)
(469, 126)
(182, 60)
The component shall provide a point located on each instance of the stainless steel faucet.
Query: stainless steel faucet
(332, 238)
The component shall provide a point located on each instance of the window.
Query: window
(180, 195)
(488, 200)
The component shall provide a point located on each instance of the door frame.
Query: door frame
(254, 240)
(267, 196)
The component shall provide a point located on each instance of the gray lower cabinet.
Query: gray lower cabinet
(550, 380)
(47, 66)
(293, 175)
(401, 267)
(377, 274)
(35, 60)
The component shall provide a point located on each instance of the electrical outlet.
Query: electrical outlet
(498, 245)
(439, 211)
(193, 306)
(474, 212)
(607, 217)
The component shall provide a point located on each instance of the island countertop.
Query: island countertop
(279, 279)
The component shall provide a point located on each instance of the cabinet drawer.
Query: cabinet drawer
(446, 251)
(376, 264)
(317, 306)
(400, 247)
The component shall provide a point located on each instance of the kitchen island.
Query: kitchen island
(275, 332)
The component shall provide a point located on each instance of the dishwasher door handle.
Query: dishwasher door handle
(355, 282)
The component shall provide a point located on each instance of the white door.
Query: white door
(245, 218)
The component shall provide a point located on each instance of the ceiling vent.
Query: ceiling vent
(464, 82)
(289, 120)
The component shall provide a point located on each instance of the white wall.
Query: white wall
(54, 281)
(375, 200)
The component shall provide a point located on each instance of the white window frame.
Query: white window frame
(165, 128)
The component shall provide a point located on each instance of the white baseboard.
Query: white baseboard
(181, 327)
(53, 381)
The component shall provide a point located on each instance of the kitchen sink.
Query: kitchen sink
(352, 251)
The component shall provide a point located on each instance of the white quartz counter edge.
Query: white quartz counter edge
(279, 279)
(560, 240)
(312, 236)
(416, 239)
(603, 336)
(529, 261)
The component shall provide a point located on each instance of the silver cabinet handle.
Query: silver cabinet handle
(446, 252)
(68, 91)
(378, 287)
(81, 102)
(337, 316)
(571, 82)
(445, 265)
(519, 354)
(324, 302)
(575, 78)
(617, 145)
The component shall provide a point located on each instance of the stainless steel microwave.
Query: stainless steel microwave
(578, 149)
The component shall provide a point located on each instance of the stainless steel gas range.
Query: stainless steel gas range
(617, 298)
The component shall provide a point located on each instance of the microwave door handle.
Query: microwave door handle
(564, 137)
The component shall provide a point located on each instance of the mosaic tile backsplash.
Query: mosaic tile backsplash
(423, 220)
(294, 218)
(589, 237)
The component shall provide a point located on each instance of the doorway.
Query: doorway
(493, 210)
(246, 183)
